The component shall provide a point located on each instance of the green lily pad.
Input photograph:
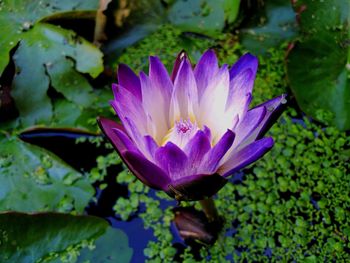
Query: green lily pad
(18, 16)
(276, 24)
(205, 17)
(35, 237)
(44, 58)
(32, 179)
(318, 65)
(111, 247)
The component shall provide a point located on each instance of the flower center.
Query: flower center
(181, 133)
(183, 126)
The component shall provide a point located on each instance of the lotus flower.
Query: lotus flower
(188, 132)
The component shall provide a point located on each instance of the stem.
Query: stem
(209, 209)
(100, 23)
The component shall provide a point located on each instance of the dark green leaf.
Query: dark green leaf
(44, 56)
(30, 238)
(111, 247)
(32, 179)
(276, 24)
(205, 17)
(318, 65)
(18, 16)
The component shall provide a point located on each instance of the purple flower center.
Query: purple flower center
(183, 126)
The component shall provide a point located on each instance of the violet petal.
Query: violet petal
(211, 160)
(196, 187)
(128, 79)
(246, 156)
(205, 70)
(180, 57)
(196, 148)
(172, 160)
(149, 173)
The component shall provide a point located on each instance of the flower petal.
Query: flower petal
(196, 149)
(274, 109)
(180, 57)
(248, 126)
(143, 169)
(155, 101)
(128, 79)
(149, 173)
(127, 105)
(160, 79)
(206, 68)
(245, 62)
(184, 99)
(239, 96)
(108, 126)
(242, 76)
(212, 105)
(246, 156)
(172, 160)
(212, 159)
(196, 187)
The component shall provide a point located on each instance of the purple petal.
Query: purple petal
(274, 109)
(151, 145)
(246, 156)
(160, 79)
(149, 173)
(156, 104)
(180, 57)
(108, 127)
(142, 168)
(248, 126)
(172, 160)
(184, 98)
(196, 187)
(128, 144)
(196, 148)
(247, 61)
(126, 105)
(205, 70)
(213, 157)
(242, 76)
(128, 79)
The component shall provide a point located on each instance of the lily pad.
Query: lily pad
(18, 16)
(35, 237)
(198, 16)
(318, 66)
(111, 247)
(276, 23)
(43, 58)
(33, 179)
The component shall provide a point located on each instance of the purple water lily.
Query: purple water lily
(187, 132)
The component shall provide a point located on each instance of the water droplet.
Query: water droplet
(347, 66)
(26, 26)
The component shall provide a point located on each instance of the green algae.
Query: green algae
(292, 205)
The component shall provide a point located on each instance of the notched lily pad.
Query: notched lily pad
(43, 58)
(18, 16)
(32, 179)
